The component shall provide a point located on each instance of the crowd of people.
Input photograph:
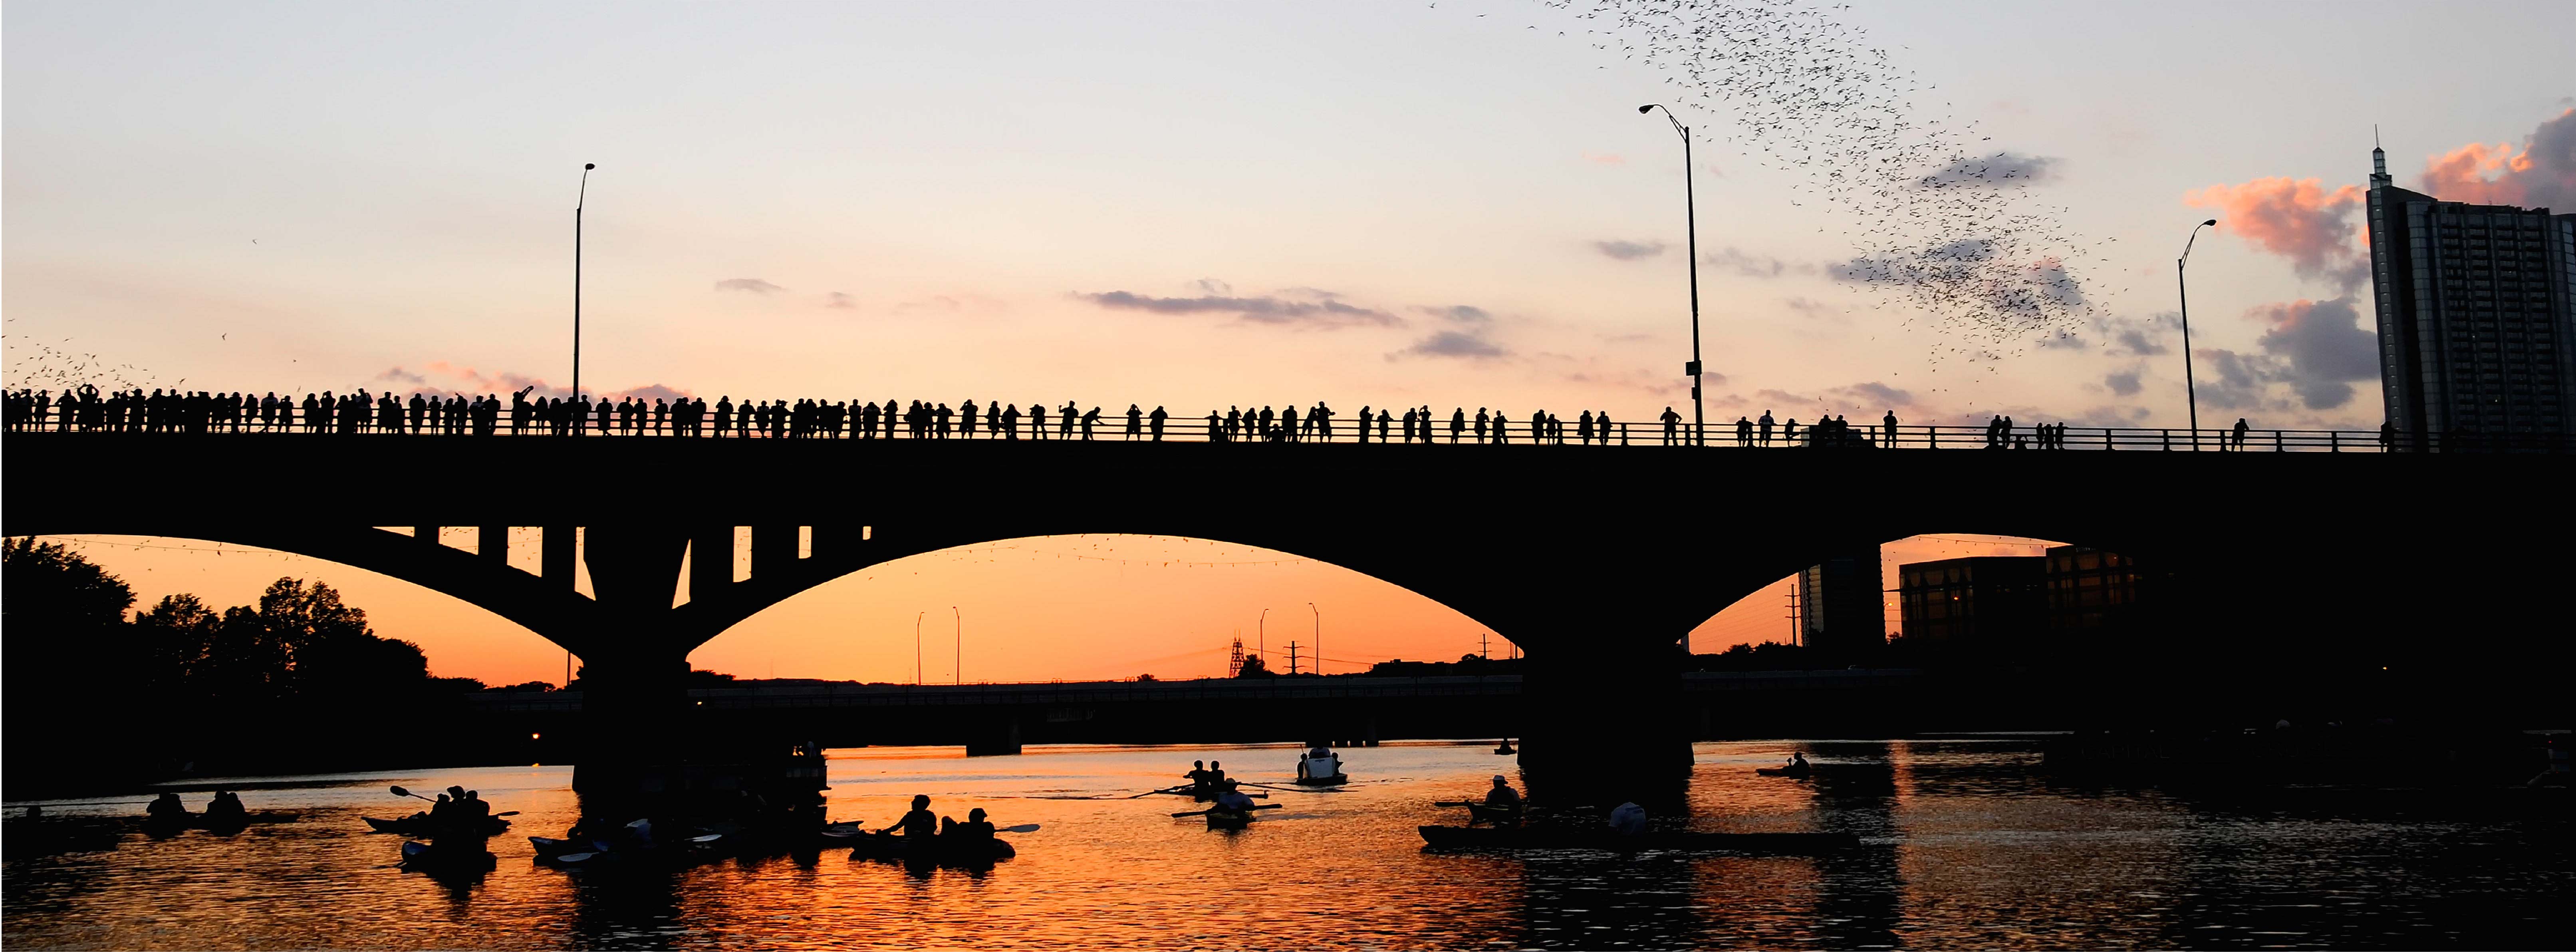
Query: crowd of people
(89, 409)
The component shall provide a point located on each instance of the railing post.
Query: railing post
(2276, 442)
(2168, 440)
(1932, 436)
(2334, 441)
(2110, 439)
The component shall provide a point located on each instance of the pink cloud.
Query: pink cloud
(2296, 219)
(2541, 173)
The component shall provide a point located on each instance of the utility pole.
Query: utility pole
(1319, 637)
(582, 198)
(1292, 657)
(1484, 649)
(1690, 222)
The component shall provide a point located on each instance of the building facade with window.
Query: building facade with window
(2477, 312)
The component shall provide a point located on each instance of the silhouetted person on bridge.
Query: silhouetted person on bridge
(1135, 421)
(1090, 419)
(1066, 418)
(1457, 423)
(2388, 436)
(1011, 422)
(1037, 421)
(2238, 436)
(1382, 420)
(1156, 420)
(1765, 427)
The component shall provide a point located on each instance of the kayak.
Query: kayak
(1228, 820)
(417, 824)
(939, 849)
(550, 847)
(1332, 781)
(1793, 772)
(1508, 838)
(433, 858)
(1486, 814)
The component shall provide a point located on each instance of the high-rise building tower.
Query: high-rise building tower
(1842, 613)
(2477, 319)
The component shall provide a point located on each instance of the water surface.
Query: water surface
(1968, 843)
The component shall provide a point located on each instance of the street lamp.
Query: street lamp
(960, 675)
(1319, 637)
(1261, 638)
(2183, 291)
(579, 200)
(916, 646)
(1690, 220)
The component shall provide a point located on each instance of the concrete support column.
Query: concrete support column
(493, 544)
(1605, 722)
(555, 555)
(427, 534)
(998, 736)
(710, 560)
(773, 549)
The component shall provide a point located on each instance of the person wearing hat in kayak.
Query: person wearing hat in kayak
(1504, 799)
(975, 827)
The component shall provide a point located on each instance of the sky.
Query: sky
(1180, 205)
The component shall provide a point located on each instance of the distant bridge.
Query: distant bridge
(1595, 563)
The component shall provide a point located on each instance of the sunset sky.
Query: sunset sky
(967, 201)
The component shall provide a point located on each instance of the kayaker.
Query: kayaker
(1628, 819)
(1198, 775)
(975, 827)
(1503, 797)
(1216, 775)
(226, 805)
(1798, 763)
(919, 824)
(1234, 801)
(442, 813)
(166, 807)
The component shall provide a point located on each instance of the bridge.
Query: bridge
(1595, 562)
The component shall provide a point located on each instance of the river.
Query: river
(1968, 843)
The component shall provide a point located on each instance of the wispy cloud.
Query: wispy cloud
(1456, 313)
(753, 285)
(1752, 265)
(1460, 344)
(841, 300)
(1628, 250)
(1325, 313)
(1994, 171)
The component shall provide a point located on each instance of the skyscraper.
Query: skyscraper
(2477, 315)
(1842, 613)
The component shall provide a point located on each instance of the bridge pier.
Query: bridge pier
(1604, 724)
(996, 737)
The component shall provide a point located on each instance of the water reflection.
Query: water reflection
(1965, 843)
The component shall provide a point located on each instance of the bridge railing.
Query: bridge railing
(1450, 430)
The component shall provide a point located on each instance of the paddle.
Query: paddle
(1257, 806)
(400, 792)
(1452, 803)
(1022, 828)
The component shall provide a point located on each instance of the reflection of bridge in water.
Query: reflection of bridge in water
(1596, 564)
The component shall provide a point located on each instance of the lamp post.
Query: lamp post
(916, 645)
(1690, 220)
(2183, 292)
(960, 675)
(1319, 636)
(1261, 638)
(580, 199)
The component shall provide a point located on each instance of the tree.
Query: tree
(1252, 668)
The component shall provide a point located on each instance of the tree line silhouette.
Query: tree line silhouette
(296, 681)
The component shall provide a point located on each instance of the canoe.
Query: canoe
(1332, 781)
(549, 847)
(1544, 838)
(418, 825)
(451, 858)
(1228, 820)
(953, 851)
(1793, 772)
